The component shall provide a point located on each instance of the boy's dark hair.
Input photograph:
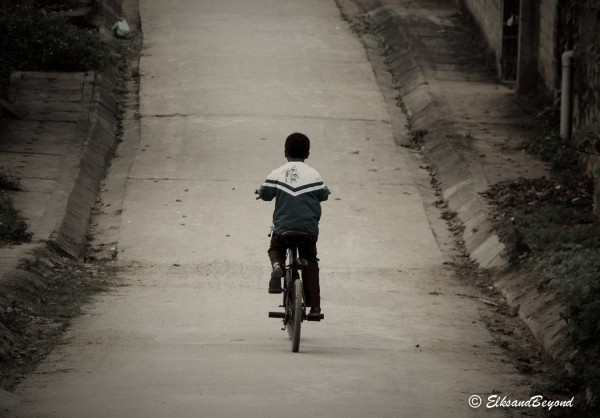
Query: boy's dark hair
(297, 145)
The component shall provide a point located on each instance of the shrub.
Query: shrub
(12, 228)
(548, 227)
(9, 183)
(33, 40)
(553, 149)
(575, 275)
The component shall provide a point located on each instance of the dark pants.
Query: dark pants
(307, 249)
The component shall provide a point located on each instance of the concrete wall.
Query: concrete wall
(488, 15)
(586, 58)
(548, 65)
(110, 11)
(529, 41)
(585, 20)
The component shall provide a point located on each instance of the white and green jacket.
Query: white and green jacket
(298, 191)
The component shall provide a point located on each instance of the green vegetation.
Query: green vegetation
(575, 275)
(9, 183)
(37, 310)
(34, 40)
(552, 148)
(13, 228)
(549, 229)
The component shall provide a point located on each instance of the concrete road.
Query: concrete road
(223, 83)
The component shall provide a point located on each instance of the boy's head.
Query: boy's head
(297, 146)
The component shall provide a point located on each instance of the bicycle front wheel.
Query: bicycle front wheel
(297, 316)
(288, 302)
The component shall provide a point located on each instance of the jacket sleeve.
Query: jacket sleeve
(266, 191)
(324, 194)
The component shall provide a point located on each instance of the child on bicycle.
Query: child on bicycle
(298, 191)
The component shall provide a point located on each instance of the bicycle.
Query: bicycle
(293, 293)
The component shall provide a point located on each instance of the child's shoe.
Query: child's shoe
(315, 311)
(275, 282)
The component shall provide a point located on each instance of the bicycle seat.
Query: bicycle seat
(294, 233)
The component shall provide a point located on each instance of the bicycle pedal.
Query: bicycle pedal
(315, 317)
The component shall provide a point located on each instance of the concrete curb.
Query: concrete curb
(71, 235)
(460, 181)
(426, 115)
(101, 142)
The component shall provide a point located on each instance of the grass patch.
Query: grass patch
(537, 217)
(35, 312)
(574, 274)
(550, 147)
(9, 183)
(548, 228)
(34, 40)
(13, 229)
